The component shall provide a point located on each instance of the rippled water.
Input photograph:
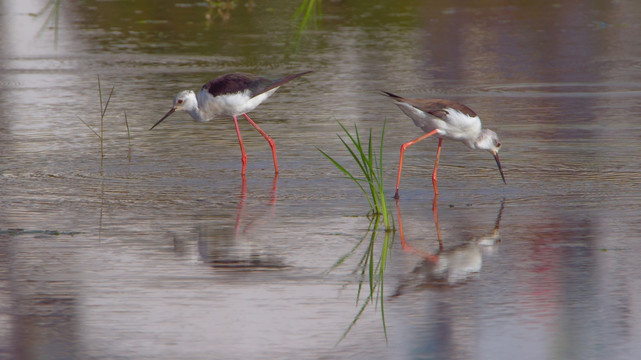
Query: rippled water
(168, 254)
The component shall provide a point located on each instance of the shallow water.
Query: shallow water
(169, 254)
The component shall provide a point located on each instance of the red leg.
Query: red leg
(242, 147)
(269, 140)
(438, 154)
(274, 188)
(400, 161)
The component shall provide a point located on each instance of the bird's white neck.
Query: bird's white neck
(197, 114)
(189, 102)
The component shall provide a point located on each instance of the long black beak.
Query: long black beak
(498, 163)
(169, 113)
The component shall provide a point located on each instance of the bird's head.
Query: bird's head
(488, 140)
(184, 101)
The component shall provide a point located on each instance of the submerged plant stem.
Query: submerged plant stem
(100, 133)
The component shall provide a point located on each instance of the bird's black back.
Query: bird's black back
(239, 82)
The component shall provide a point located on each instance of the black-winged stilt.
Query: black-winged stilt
(230, 95)
(446, 119)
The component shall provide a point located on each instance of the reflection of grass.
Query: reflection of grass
(128, 138)
(103, 110)
(307, 13)
(372, 269)
(53, 6)
(15, 232)
(371, 168)
(309, 10)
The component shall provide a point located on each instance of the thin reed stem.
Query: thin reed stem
(128, 138)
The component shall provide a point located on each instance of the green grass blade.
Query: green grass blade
(347, 173)
(357, 144)
(100, 96)
(300, 9)
(107, 103)
(128, 138)
(89, 127)
(353, 154)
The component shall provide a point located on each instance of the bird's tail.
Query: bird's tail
(285, 79)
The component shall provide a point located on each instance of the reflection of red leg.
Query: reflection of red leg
(274, 188)
(400, 161)
(240, 212)
(250, 219)
(400, 225)
(438, 154)
(438, 228)
(269, 140)
(242, 148)
(404, 245)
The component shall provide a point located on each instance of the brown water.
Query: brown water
(169, 255)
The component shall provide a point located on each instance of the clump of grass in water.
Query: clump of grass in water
(372, 172)
(103, 110)
(371, 184)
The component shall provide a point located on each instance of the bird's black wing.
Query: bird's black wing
(434, 107)
(239, 82)
(232, 83)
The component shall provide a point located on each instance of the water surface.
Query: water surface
(169, 254)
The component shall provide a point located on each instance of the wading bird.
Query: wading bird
(230, 95)
(446, 119)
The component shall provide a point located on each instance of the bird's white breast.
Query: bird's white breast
(230, 104)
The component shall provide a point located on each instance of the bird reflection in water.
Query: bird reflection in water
(238, 250)
(448, 266)
(241, 213)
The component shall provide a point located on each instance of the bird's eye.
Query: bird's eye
(180, 101)
(498, 145)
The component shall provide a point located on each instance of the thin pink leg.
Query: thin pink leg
(269, 140)
(242, 147)
(274, 188)
(400, 161)
(438, 154)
